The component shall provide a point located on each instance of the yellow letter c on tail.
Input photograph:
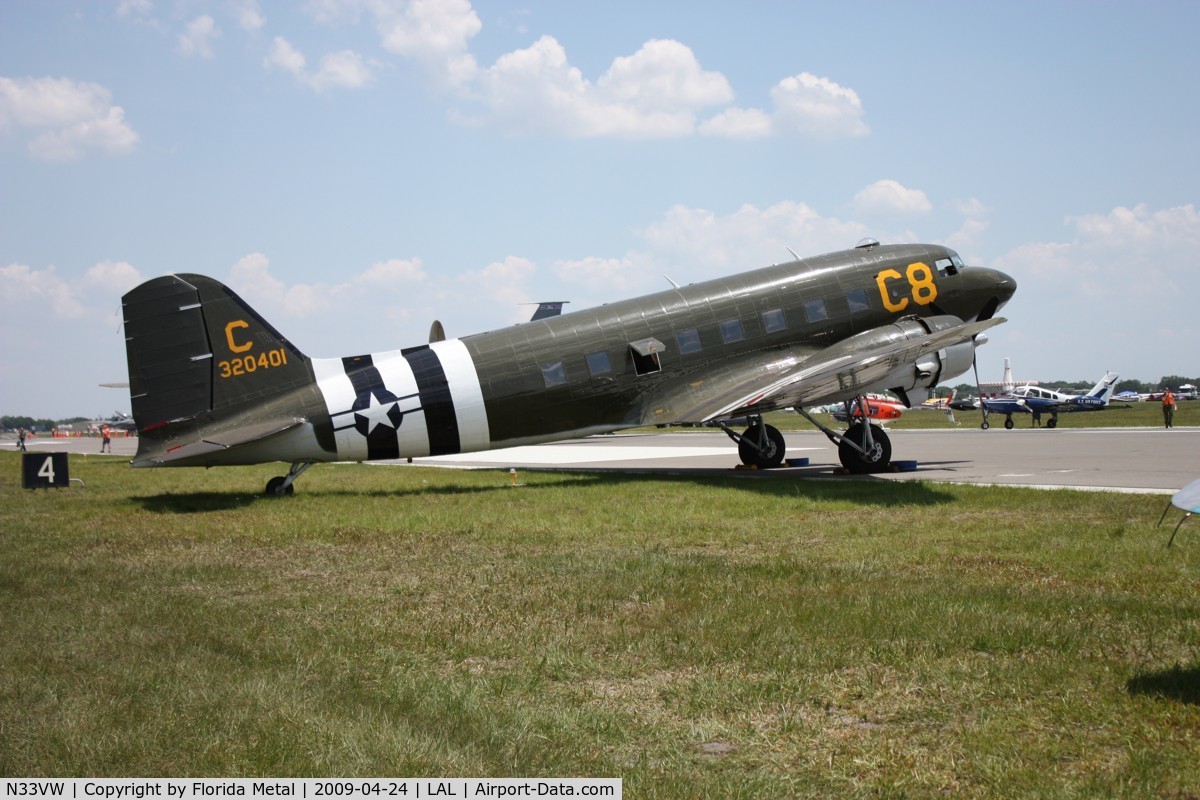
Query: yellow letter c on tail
(234, 346)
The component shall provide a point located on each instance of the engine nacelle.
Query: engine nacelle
(912, 381)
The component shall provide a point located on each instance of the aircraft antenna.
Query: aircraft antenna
(793, 252)
(673, 283)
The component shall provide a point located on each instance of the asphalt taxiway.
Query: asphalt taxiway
(1107, 459)
(1113, 459)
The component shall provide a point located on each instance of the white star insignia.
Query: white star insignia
(377, 414)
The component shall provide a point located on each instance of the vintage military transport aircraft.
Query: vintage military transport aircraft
(212, 383)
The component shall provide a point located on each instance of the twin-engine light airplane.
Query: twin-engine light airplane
(1036, 400)
(212, 383)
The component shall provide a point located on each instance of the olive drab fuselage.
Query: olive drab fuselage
(213, 383)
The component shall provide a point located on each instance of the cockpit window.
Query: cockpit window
(947, 266)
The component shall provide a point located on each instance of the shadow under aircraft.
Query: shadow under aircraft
(212, 383)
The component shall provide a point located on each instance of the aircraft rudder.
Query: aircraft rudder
(1104, 388)
(194, 346)
(251, 360)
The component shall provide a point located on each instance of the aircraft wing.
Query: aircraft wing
(839, 372)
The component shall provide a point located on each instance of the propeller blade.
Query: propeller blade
(982, 405)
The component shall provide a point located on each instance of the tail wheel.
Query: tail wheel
(762, 451)
(275, 487)
(874, 457)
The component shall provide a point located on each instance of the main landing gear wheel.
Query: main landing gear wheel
(275, 487)
(762, 446)
(862, 458)
(1008, 424)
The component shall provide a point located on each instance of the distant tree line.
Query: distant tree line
(13, 422)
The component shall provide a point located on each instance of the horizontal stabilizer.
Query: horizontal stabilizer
(219, 441)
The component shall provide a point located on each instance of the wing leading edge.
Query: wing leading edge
(909, 353)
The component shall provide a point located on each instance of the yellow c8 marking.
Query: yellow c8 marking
(921, 287)
(234, 346)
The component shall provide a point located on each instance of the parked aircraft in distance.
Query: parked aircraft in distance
(969, 403)
(939, 403)
(878, 407)
(1037, 400)
(119, 421)
(212, 383)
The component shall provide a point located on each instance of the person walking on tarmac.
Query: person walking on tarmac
(106, 442)
(21, 439)
(1169, 408)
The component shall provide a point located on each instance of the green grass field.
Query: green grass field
(695, 637)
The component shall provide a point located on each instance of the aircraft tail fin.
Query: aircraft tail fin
(1104, 389)
(550, 308)
(195, 348)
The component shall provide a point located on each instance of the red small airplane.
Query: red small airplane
(877, 406)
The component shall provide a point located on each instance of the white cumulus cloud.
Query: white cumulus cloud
(434, 33)
(29, 292)
(248, 15)
(342, 70)
(660, 91)
(394, 273)
(655, 93)
(804, 105)
(599, 274)
(891, 197)
(134, 8)
(68, 119)
(1131, 268)
(197, 38)
(747, 238)
(117, 277)
(23, 287)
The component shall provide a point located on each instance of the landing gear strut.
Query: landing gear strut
(281, 485)
(761, 446)
(863, 448)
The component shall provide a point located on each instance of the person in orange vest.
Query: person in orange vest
(1169, 408)
(106, 443)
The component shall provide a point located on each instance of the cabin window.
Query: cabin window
(689, 341)
(946, 266)
(774, 320)
(598, 363)
(554, 374)
(645, 356)
(815, 310)
(857, 300)
(731, 331)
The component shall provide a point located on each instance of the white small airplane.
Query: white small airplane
(1037, 400)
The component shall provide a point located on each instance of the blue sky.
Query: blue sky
(358, 168)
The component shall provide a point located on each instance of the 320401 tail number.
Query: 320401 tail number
(249, 364)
